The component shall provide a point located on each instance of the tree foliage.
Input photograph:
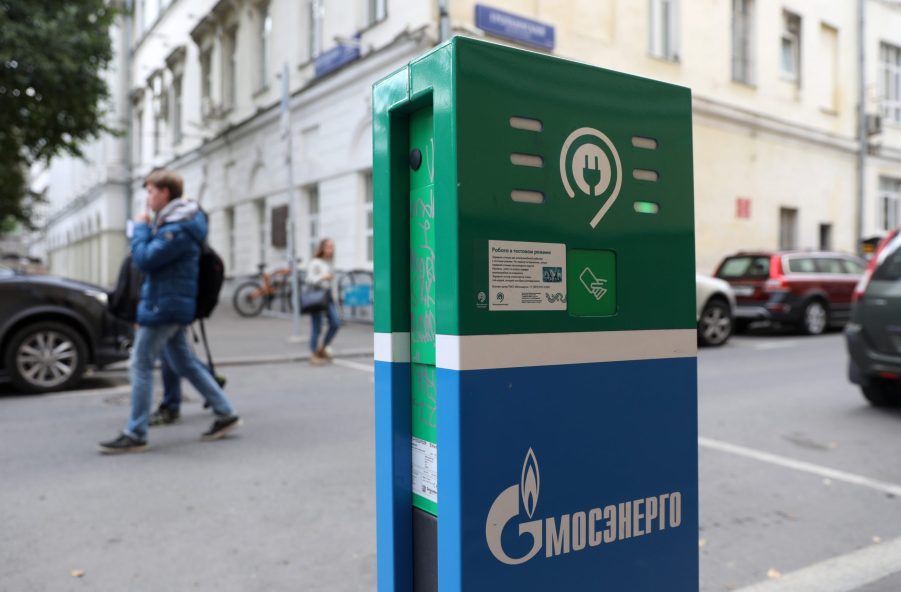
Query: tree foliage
(52, 91)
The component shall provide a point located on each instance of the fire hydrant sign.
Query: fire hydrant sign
(526, 276)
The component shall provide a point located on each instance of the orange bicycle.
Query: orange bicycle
(252, 296)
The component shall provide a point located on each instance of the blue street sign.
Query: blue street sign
(514, 27)
(336, 57)
(358, 295)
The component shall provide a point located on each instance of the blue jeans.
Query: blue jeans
(334, 323)
(172, 384)
(150, 344)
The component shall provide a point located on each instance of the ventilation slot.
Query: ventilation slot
(532, 197)
(527, 160)
(524, 123)
(646, 207)
(645, 175)
(644, 143)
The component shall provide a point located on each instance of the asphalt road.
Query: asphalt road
(799, 482)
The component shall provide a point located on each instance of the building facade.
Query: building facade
(199, 86)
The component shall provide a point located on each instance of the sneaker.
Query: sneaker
(221, 427)
(122, 445)
(328, 352)
(318, 360)
(163, 416)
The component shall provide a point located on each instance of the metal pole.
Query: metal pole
(292, 239)
(861, 122)
(443, 21)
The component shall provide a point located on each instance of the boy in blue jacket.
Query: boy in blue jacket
(168, 252)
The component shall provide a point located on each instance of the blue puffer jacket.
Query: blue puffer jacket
(170, 259)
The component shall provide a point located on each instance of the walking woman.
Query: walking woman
(320, 274)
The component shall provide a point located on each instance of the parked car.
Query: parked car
(52, 329)
(803, 289)
(715, 303)
(873, 335)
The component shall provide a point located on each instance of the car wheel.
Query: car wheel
(46, 357)
(715, 325)
(882, 393)
(814, 318)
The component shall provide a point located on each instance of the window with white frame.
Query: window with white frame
(230, 67)
(788, 228)
(664, 29)
(743, 41)
(377, 10)
(313, 218)
(790, 50)
(138, 140)
(314, 22)
(890, 81)
(206, 75)
(176, 109)
(889, 198)
(367, 213)
(158, 101)
(264, 37)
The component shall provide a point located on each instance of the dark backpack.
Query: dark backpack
(209, 281)
(122, 302)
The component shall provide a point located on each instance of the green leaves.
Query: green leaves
(52, 91)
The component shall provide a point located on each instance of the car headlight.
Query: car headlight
(100, 297)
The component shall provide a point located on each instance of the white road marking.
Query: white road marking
(782, 344)
(802, 466)
(354, 365)
(839, 574)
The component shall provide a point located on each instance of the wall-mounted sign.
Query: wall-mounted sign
(337, 56)
(514, 27)
(743, 207)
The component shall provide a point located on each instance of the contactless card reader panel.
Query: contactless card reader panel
(535, 379)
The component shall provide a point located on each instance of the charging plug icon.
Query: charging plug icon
(591, 172)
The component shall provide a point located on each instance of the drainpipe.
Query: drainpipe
(861, 122)
(443, 22)
(128, 54)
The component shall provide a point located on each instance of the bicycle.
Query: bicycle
(252, 296)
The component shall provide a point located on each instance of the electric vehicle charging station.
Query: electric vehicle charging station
(536, 370)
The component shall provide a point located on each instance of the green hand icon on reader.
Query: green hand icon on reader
(593, 284)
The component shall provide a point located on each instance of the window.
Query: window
(159, 108)
(828, 68)
(890, 268)
(890, 81)
(743, 266)
(315, 24)
(798, 265)
(260, 207)
(889, 197)
(232, 239)
(313, 217)
(138, 140)
(206, 75)
(265, 49)
(791, 47)
(176, 110)
(367, 212)
(377, 12)
(743, 41)
(664, 41)
(829, 265)
(853, 267)
(230, 67)
(826, 237)
(788, 228)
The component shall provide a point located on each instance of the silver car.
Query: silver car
(715, 303)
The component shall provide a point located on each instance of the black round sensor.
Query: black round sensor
(415, 159)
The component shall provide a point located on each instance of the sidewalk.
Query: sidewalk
(236, 340)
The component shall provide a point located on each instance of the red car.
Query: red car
(804, 289)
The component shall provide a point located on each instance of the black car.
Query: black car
(874, 334)
(52, 329)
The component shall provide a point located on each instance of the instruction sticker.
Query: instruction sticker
(425, 469)
(526, 276)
